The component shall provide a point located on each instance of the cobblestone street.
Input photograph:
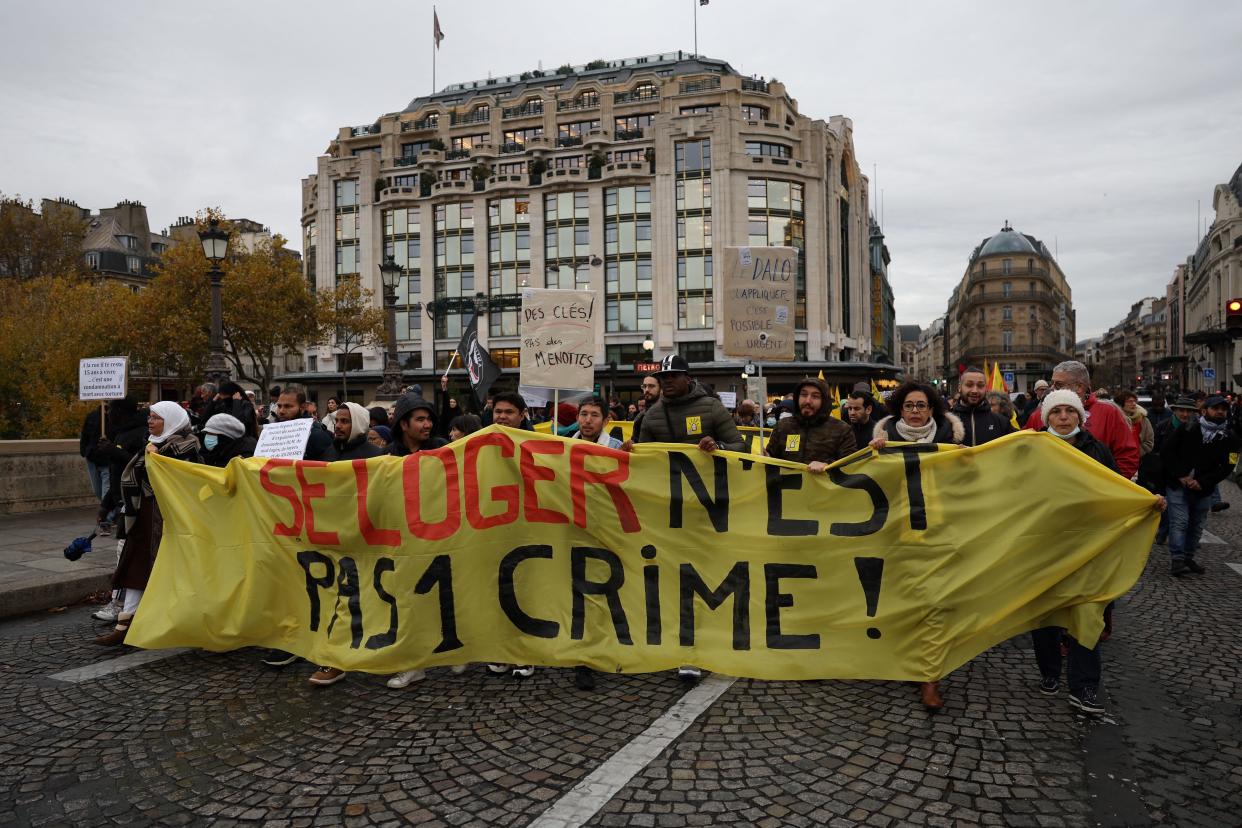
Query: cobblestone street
(200, 738)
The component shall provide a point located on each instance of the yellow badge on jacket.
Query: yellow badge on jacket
(694, 425)
(793, 442)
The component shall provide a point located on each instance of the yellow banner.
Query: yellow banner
(518, 547)
(624, 430)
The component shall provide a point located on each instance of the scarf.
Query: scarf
(175, 419)
(921, 434)
(1210, 429)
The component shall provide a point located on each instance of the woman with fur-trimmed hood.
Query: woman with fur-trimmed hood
(921, 418)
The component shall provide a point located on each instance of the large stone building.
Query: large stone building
(908, 343)
(883, 304)
(1131, 353)
(626, 177)
(1012, 307)
(929, 362)
(1210, 278)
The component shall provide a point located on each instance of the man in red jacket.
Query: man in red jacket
(1104, 420)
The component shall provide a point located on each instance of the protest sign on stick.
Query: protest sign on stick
(759, 295)
(103, 378)
(286, 440)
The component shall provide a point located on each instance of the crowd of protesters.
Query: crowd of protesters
(1180, 452)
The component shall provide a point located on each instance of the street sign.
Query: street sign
(1209, 373)
(646, 367)
(757, 389)
(1009, 378)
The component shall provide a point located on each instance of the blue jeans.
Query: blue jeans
(101, 477)
(1188, 513)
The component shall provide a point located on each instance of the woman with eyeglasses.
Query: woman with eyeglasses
(922, 418)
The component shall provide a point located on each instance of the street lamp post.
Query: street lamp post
(215, 242)
(391, 387)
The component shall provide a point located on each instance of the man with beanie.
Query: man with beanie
(231, 399)
(974, 409)
(811, 436)
(1195, 459)
(1037, 397)
(224, 437)
(1104, 419)
(413, 422)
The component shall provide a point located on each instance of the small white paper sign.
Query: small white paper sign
(103, 378)
(729, 398)
(286, 440)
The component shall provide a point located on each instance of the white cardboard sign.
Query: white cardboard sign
(729, 398)
(558, 339)
(103, 378)
(285, 440)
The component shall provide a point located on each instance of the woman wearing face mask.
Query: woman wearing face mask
(922, 418)
(1064, 414)
(171, 435)
(224, 437)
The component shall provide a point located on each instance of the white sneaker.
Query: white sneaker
(108, 612)
(458, 669)
(498, 669)
(406, 678)
(690, 675)
(525, 671)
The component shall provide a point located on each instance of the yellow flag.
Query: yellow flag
(523, 548)
(836, 402)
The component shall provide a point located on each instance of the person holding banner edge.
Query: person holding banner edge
(686, 413)
(811, 436)
(922, 418)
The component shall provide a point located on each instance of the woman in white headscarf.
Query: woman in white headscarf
(171, 435)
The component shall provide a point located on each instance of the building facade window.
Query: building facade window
(92, 261)
(454, 268)
(627, 268)
(776, 218)
(508, 259)
(1006, 266)
(411, 150)
(519, 137)
(133, 264)
(697, 351)
(567, 240)
(632, 126)
(506, 357)
(696, 109)
(1006, 289)
(769, 149)
(1007, 313)
(845, 262)
(346, 216)
(403, 241)
(754, 112)
(310, 238)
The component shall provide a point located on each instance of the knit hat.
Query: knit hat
(566, 414)
(226, 425)
(1041, 384)
(1063, 396)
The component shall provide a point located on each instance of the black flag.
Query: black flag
(483, 372)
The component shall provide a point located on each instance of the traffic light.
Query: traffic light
(1233, 317)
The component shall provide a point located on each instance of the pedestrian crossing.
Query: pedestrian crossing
(116, 665)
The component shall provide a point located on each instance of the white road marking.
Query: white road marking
(116, 665)
(1208, 537)
(1235, 567)
(585, 799)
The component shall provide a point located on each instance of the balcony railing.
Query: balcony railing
(701, 85)
(471, 118)
(569, 141)
(453, 155)
(425, 123)
(577, 104)
(752, 85)
(373, 129)
(634, 97)
(405, 161)
(511, 148)
(1045, 296)
(628, 134)
(523, 111)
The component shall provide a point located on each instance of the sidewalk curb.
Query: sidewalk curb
(34, 597)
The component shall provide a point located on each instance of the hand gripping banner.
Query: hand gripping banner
(517, 547)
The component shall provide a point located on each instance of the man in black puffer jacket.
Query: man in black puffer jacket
(686, 413)
(973, 409)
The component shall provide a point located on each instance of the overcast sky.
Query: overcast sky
(1096, 127)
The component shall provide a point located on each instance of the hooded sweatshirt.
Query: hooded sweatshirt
(356, 446)
(820, 437)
